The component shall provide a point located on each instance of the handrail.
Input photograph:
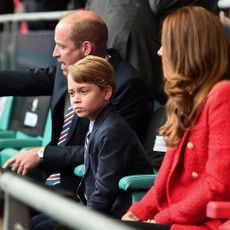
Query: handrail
(33, 16)
(223, 4)
(11, 30)
(71, 214)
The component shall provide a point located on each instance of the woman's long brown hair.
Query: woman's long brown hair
(195, 57)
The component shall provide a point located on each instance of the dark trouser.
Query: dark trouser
(69, 182)
(43, 222)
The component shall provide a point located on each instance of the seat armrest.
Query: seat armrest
(79, 170)
(6, 154)
(7, 134)
(19, 143)
(137, 182)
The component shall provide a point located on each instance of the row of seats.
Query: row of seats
(23, 127)
(18, 133)
(16, 138)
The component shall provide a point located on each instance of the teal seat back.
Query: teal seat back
(5, 114)
(48, 130)
(137, 185)
(25, 140)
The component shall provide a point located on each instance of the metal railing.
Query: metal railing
(36, 16)
(224, 4)
(21, 193)
(11, 31)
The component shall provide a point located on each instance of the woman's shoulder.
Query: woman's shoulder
(221, 88)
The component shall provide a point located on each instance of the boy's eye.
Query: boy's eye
(84, 91)
(71, 94)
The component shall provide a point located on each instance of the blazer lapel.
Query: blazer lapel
(98, 123)
(60, 86)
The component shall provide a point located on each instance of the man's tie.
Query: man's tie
(66, 126)
(54, 179)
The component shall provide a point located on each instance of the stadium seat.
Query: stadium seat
(26, 137)
(43, 140)
(79, 170)
(5, 115)
(139, 184)
(28, 118)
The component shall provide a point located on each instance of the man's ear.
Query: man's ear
(87, 48)
(108, 93)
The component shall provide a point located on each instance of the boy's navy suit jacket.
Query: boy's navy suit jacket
(114, 152)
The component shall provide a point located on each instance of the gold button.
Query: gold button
(190, 145)
(195, 175)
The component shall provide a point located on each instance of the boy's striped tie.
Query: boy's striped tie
(54, 179)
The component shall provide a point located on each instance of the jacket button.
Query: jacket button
(190, 145)
(195, 175)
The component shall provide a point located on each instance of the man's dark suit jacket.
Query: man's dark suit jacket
(164, 7)
(114, 151)
(130, 100)
(133, 32)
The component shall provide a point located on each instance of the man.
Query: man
(163, 7)
(77, 35)
(133, 31)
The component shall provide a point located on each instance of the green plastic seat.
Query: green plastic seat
(7, 154)
(25, 123)
(15, 146)
(5, 115)
(137, 185)
(79, 170)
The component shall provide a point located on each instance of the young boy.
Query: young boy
(112, 149)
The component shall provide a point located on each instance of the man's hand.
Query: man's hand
(23, 162)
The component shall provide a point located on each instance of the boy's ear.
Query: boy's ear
(108, 93)
(87, 47)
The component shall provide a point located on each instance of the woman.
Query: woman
(195, 55)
